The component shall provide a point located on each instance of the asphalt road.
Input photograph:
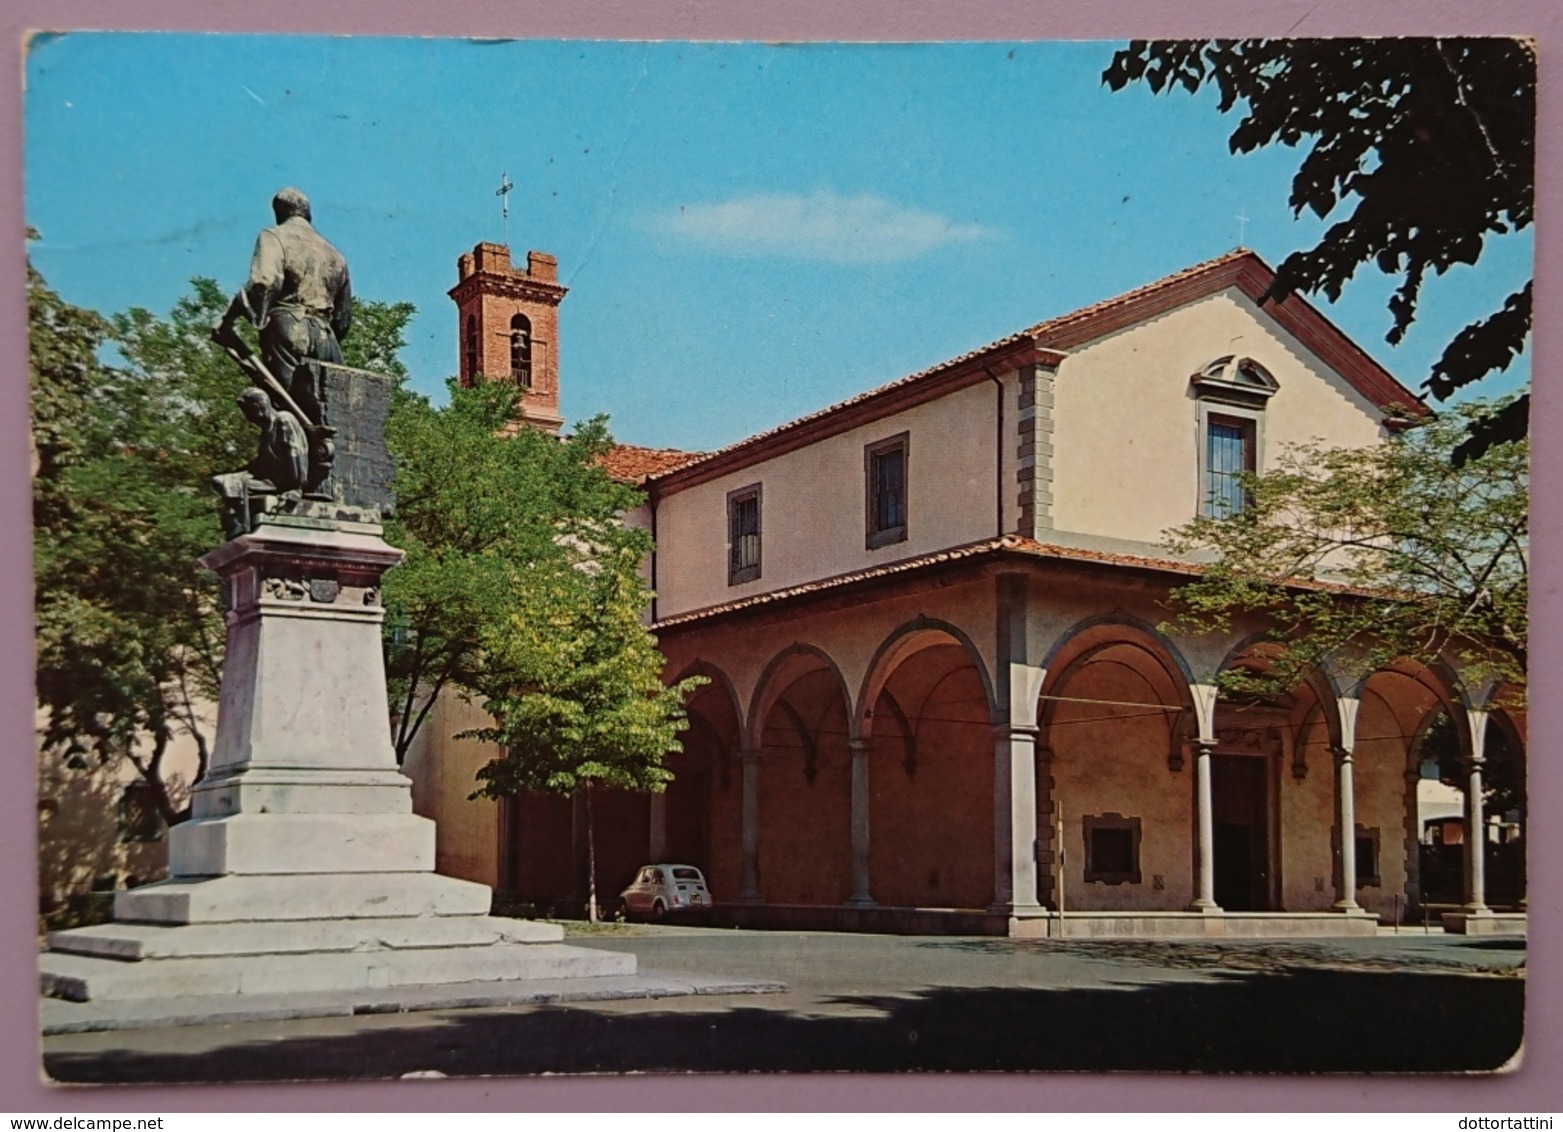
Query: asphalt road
(885, 1003)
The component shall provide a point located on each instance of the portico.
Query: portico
(993, 713)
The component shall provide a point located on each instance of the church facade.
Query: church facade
(941, 691)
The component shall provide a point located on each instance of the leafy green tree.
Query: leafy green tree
(129, 630)
(489, 516)
(1429, 143)
(522, 590)
(576, 689)
(1369, 555)
(128, 634)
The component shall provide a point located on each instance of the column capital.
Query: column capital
(1341, 753)
(1204, 745)
(748, 754)
(860, 746)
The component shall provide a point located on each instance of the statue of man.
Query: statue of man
(300, 300)
(280, 468)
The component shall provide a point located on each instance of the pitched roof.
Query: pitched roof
(631, 463)
(1015, 544)
(1011, 544)
(1046, 342)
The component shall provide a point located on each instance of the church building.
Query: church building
(942, 693)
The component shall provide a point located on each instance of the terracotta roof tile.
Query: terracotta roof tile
(632, 464)
(1005, 544)
(1085, 314)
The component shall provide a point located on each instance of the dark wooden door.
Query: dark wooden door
(1240, 808)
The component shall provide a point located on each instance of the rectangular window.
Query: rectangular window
(1112, 849)
(885, 468)
(743, 535)
(1229, 453)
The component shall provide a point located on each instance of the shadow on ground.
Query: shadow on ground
(1262, 956)
(1293, 1021)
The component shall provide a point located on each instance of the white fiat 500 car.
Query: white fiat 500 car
(659, 891)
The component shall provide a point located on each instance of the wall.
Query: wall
(1113, 759)
(805, 826)
(813, 507)
(1307, 815)
(1125, 422)
(931, 824)
(82, 845)
(1380, 787)
(444, 771)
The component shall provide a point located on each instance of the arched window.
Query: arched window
(469, 370)
(521, 351)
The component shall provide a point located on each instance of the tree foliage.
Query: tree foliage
(1359, 557)
(128, 635)
(522, 590)
(494, 521)
(1420, 149)
(576, 690)
(129, 630)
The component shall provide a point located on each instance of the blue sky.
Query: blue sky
(748, 232)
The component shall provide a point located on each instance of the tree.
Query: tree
(1431, 139)
(1370, 555)
(522, 590)
(485, 513)
(128, 634)
(129, 630)
(576, 691)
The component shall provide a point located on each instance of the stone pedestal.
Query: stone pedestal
(303, 867)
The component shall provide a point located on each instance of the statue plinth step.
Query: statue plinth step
(321, 896)
(301, 843)
(85, 978)
(139, 942)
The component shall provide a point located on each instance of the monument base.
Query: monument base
(303, 869)
(145, 961)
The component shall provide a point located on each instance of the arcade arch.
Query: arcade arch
(927, 721)
(1115, 717)
(799, 757)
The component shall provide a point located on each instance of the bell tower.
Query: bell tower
(508, 327)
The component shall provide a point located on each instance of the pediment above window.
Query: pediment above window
(1235, 379)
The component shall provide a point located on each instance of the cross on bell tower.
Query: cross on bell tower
(508, 327)
(503, 193)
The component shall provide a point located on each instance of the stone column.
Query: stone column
(1017, 684)
(1475, 816)
(860, 837)
(749, 886)
(1014, 818)
(1346, 806)
(657, 846)
(1345, 832)
(1204, 823)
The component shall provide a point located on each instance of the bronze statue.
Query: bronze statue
(300, 300)
(279, 471)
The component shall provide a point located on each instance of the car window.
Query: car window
(654, 876)
(686, 874)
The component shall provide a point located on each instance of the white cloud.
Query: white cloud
(819, 226)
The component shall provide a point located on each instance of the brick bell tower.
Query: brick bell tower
(508, 327)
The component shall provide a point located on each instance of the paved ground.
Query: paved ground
(885, 1003)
